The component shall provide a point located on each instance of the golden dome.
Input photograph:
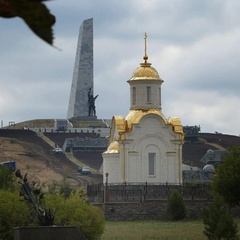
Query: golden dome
(145, 72)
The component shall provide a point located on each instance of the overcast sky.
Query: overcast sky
(193, 44)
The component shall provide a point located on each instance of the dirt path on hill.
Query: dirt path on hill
(42, 166)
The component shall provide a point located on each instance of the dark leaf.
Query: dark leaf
(6, 9)
(35, 14)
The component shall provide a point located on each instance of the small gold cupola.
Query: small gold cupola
(145, 85)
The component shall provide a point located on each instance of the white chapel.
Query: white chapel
(144, 146)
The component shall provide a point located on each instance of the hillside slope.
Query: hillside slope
(34, 156)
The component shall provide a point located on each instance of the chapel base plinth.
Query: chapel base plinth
(47, 233)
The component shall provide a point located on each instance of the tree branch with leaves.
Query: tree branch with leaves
(34, 13)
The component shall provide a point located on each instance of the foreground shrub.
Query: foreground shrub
(13, 213)
(218, 221)
(7, 178)
(74, 211)
(176, 207)
(227, 177)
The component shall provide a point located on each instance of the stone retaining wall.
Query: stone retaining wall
(148, 210)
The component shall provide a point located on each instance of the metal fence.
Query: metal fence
(129, 192)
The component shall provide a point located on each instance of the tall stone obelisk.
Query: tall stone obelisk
(83, 74)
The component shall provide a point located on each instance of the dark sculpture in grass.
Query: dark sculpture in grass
(33, 197)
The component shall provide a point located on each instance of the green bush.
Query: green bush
(175, 206)
(63, 187)
(7, 178)
(227, 177)
(218, 221)
(74, 211)
(13, 213)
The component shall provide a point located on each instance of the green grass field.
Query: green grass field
(152, 230)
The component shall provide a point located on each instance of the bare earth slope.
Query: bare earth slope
(35, 157)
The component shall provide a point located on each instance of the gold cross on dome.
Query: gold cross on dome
(145, 39)
(145, 57)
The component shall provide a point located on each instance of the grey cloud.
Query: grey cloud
(192, 44)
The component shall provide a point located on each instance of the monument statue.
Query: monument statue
(34, 197)
(213, 157)
(91, 103)
(82, 73)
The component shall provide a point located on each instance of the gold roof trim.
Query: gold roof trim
(177, 125)
(135, 116)
(118, 128)
(120, 123)
(112, 148)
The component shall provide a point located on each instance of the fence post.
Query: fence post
(106, 190)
